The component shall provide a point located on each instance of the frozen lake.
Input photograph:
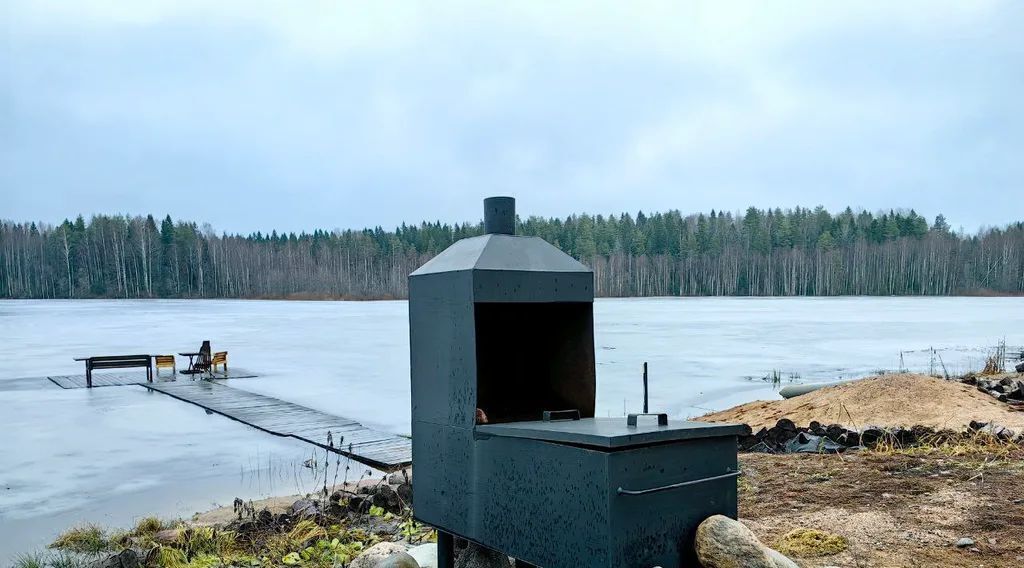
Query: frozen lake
(111, 455)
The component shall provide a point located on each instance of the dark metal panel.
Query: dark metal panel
(528, 286)
(542, 503)
(443, 469)
(558, 506)
(611, 433)
(657, 529)
(442, 349)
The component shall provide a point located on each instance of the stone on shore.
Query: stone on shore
(370, 557)
(127, 558)
(725, 543)
(400, 478)
(166, 536)
(387, 498)
(400, 560)
(476, 556)
(305, 509)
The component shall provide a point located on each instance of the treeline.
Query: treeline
(760, 252)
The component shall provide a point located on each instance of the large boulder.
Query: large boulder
(725, 543)
(387, 498)
(400, 560)
(167, 536)
(476, 556)
(400, 477)
(425, 554)
(370, 557)
(359, 503)
(305, 509)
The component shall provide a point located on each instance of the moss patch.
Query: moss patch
(810, 542)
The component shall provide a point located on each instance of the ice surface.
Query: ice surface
(113, 454)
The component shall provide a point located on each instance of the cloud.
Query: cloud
(259, 115)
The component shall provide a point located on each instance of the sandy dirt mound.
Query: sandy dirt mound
(886, 400)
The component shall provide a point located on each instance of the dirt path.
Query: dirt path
(895, 510)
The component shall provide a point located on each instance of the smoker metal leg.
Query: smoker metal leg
(445, 550)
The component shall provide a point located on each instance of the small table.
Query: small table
(191, 364)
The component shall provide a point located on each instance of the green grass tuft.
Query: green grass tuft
(66, 560)
(149, 525)
(30, 560)
(86, 539)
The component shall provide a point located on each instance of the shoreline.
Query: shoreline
(929, 489)
(314, 297)
(887, 506)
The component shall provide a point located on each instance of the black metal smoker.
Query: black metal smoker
(504, 324)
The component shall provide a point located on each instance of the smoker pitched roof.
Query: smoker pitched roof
(502, 252)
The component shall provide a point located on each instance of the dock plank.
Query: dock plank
(382, 450)
(117, 379)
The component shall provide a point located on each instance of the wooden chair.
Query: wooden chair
(202, 364)
(165, 361)
(219, 358)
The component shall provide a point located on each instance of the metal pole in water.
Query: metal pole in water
(645, 387)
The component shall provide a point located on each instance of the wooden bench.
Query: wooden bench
(164, 362)
(219, 358)
(118, 362)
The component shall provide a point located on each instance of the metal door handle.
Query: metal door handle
(662, 418)
(550, 415)
(622, 491)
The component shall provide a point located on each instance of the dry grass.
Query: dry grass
(895, 506)
(965, 444)
(995, 363)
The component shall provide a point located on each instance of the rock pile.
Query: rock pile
(1005, 389)
(393, 496)
(786, 437)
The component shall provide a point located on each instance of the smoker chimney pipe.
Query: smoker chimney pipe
(500, 215)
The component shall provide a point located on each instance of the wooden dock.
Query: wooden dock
(381, 450)
(118, 379)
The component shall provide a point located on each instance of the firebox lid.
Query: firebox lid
(502, 252)
(610, 433)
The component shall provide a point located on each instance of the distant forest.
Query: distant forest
(760, 252)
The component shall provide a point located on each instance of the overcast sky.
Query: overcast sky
(301, 115)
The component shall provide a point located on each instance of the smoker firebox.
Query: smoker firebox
(504, 324)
